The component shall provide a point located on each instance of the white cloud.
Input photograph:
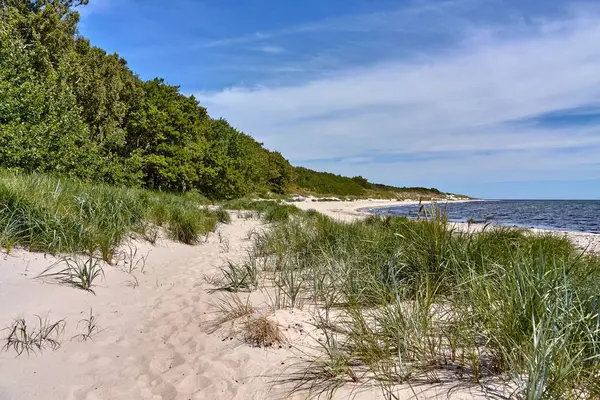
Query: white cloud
(460, 101)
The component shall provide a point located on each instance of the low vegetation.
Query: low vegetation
(412, 301)
(59, 215)
(310, 182)
(239, 318)
(230, 310)
(269, 210)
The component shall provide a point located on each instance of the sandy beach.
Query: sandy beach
(153, 337)
(195, 200)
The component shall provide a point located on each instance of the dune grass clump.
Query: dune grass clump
(239, 276)
(404, 300)
(270, 210)
(262, 332)
(222, 215)
(81, 273)
(245, 322)
(22, 339)
(58, 215)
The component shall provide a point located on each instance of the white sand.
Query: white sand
(154, 342)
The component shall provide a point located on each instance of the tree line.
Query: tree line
(69, 108)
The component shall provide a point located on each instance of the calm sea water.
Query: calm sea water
(568, 215)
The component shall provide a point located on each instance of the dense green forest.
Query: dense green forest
(69, 108)
(326, 183)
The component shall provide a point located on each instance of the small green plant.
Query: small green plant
(132, 261)
(252, 233)
(184, 227)
(74, 271)
(21, 339)
(90, 328)
(289, 281)
(237, 277)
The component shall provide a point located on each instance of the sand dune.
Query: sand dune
(154, 340)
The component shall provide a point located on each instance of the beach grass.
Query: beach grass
(57, 215)
(402, 300)
(269, 210)
(23, 339)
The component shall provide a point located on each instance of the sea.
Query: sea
(562, 215)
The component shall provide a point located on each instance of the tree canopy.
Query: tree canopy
(67, 107)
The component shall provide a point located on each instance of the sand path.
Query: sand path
(153, 343)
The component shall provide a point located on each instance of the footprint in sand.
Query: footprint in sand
(79, 358)
(164, 361)
(164, 391)
(102, 362)
(111, 340)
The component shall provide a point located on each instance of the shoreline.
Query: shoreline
(347, 211)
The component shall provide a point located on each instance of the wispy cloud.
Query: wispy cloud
(470, 103)
(250, 38)
(419, 17)
(270, 49)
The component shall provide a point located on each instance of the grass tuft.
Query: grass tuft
(231, 309)
(75, 271)
(270, 210)
(22, 339)
(262, 332)
(236, 277)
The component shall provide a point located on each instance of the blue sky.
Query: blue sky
(493, 98)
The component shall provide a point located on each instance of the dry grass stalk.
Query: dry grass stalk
(262, 332)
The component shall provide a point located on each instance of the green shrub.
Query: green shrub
(222, 216)
(271, 210)
(280, 212)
